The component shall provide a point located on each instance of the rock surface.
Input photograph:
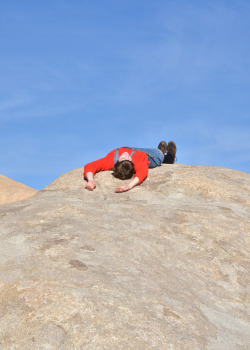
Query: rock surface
(164, 266)
(11, 190)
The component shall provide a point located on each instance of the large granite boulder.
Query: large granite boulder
(11, 190)
(164, 266)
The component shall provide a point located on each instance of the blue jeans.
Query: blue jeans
(155, 156)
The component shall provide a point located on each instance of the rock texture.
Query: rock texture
(11, 191)
(164, 266)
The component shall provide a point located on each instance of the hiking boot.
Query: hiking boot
(163, 146)
(171, 152)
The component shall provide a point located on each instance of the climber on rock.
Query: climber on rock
(128, 162)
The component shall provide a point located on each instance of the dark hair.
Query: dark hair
(123, 170)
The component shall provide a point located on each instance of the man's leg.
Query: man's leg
(155, 156)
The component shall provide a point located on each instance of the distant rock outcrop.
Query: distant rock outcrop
(11, 191)
(164, 266)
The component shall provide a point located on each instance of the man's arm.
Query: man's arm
(91, 184)
(128, 187)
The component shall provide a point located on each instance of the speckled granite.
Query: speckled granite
(164, 266)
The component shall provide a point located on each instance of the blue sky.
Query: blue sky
(80, 78)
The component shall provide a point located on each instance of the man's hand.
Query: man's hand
(122, 188)
(91, 185)
(128, 187)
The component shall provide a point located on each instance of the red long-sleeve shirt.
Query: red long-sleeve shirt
(139, 158)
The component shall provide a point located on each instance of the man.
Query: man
(127, 162)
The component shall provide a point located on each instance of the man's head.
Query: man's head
(123, 169)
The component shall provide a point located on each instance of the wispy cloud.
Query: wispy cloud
(79, 81)
(13, 103)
